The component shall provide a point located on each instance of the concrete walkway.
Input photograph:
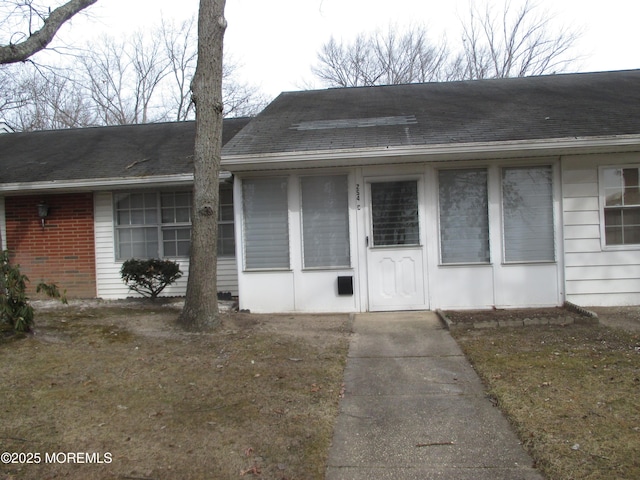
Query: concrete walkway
(415, 409)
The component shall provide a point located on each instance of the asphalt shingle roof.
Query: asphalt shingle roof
(530, 108)
(102, 152)
(557, 106)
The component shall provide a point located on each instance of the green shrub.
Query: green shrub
(14, 303)
(51, 290)
(149, 277)
(15, 309)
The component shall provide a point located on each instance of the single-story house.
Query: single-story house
(75, 204)
(494, 193)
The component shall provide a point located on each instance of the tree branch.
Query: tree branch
(39, 40)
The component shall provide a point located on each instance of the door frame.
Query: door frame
(367, 237)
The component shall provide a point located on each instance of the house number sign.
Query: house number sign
(358, 206)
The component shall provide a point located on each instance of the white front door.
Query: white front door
(395, 256)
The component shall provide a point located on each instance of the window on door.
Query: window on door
(394, 213)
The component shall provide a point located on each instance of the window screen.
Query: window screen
(464, 221)
(325, 221)
(266, 223)
(527, 204)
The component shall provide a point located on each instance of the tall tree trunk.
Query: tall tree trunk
(200, 311)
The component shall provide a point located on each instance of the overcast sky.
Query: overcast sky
(276, 41)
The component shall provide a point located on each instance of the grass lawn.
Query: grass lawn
(572, 393)
(258, 398)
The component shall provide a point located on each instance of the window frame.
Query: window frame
(159, 226)
(287, 185)
(349, 263)
(117, 228)
(370, 182)
(222, 222)
(175, 225)
(487, 172)
(602, 208)
(552, 169)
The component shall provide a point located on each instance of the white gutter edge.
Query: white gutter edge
(104, 183)
(545, 146)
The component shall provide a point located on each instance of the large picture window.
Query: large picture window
(266, 223)
(527, 206)
(325, 221)
(621, 205)
(158, 224)
(464, 221)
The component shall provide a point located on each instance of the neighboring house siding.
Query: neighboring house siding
(63, 250)
(110, 285)
(594, 274)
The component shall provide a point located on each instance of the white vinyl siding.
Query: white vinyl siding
(596, 274)
(464, 221)
(527, 206)
(266, 223)
(109, 283)
(325, 221)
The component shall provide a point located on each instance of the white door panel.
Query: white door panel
(395, 257)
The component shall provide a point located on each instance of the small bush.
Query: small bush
(51, 290)
(14, 303)
(149, 277)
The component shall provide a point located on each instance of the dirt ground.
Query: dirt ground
(257, 398)
(570, 390)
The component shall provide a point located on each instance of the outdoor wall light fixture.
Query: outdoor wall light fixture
(43, 212)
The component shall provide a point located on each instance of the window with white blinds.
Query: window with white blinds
(325, 221)
(266, 223)
(464, 220)
(527, 205)
(394, 213)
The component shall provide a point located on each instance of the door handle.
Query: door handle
(366, 239)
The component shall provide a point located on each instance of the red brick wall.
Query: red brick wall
(63, 251)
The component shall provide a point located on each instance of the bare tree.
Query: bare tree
(182, 56)
(241, 99)
(40, 22)
(514, 42)
(509, 42)
(122, 77)
(201, 302)
(383, 59)
(140, 78)
(50, 102)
